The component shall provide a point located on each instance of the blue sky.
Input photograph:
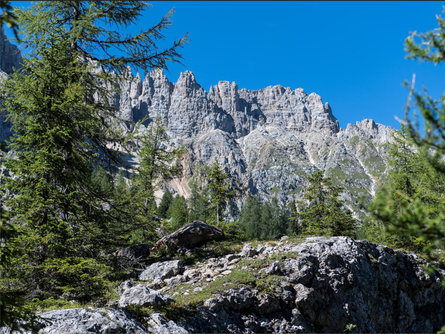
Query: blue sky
(350, 53)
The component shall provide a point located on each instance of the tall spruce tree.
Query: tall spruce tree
(250, 218)
(199, 202)
(321, 211)
(59, 105)
(164, 206)
(179, 212)
(219, 191)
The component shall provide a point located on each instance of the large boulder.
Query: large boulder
(162, 270)
(189, 236)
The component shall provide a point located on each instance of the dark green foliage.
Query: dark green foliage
(62, 206)
(11, 291)
(219, 191)
(199, 203)
(250, 218)
(163, 209)
(157, 164)
(321, 211)
(178, 212)
(260, 220)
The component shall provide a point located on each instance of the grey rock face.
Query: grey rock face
(91, 320)
(322, 285)
(142, 296)
(162, 270)
(159, 325)
(268, 139)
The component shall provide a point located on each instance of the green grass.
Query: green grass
(246, 273)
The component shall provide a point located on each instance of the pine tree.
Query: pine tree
(412, 196)
(178, 212)
(59, 106)
(219, 191)
(279, 223)
(251, 218)
(164, 206)
(157, 163)
(321, 210)
(429, 141)
(199, 202)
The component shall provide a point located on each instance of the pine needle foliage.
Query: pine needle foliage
(321, 211)
(63, 119)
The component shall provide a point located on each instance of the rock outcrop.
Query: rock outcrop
(162, 270)
(141, 295)
(86, 320)
(321, 285)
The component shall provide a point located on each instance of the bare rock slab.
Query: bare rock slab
(142, 296)
(162, 270)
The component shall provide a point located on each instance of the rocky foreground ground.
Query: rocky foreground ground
(317, 285)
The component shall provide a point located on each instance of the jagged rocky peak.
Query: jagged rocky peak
(188, 86)
(226, 96)
(276, 106)
(369, 128)
(191, 111)
(10, 56)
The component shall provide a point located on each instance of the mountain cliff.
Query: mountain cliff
(268, 139)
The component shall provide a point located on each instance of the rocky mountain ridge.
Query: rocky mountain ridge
(268, 139)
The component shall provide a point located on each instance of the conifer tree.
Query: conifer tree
(59, 104)
(416, 217)
(250, 218)
(164, 206)
(412, 197)
(157, 163)
(219, 190)
(321, 211)
(199, 202)
(178, 212)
